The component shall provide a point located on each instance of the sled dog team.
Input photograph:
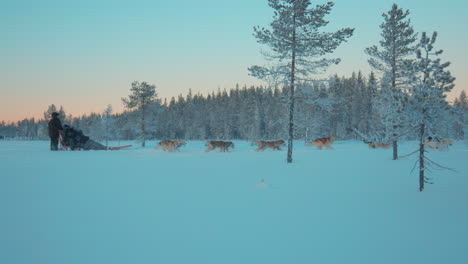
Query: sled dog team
(74, 139)
(223, 146)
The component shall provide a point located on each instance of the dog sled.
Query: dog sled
(74, 139)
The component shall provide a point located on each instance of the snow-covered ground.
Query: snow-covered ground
(347, 205)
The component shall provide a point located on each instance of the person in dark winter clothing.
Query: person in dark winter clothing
(76, 140)
(55, 129)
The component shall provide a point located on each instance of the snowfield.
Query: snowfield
(347, 205)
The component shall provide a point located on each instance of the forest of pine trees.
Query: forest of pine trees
(338, 106)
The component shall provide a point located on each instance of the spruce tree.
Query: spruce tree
(462, 101)
(108, 123)
(461, 111)
(370, 95)
(295, 41)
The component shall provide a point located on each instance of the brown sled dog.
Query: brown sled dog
(222, 145)
(375, 145)
(275, 145)
(170, 145)
(320, 142)
(437, 143)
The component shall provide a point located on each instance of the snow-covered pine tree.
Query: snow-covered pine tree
(398, 42)
(179, 118)
(62, 114)
(303, 111)
(151, 119)
(200, 117)
(371, 94)
(189, 115)
(336, 91)
(295, 40)
(351, 93)
(313, 111)
(390, 106)
(7, 130)
(92, 126)
(276, 115)
(234, 109)
(171, 117)
(26, 129)
(127, 122)
(462, 101)
(430, 80)
(359, 104)
(249, 115)
(107, 123)
(460, 127)
(143, 94)
(224, 114)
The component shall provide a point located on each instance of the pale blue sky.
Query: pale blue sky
(84, 54)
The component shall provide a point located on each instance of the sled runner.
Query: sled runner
(117, 148)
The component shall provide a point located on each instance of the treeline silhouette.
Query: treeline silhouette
(337, 106)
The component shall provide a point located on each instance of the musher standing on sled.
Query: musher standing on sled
(55, 130)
